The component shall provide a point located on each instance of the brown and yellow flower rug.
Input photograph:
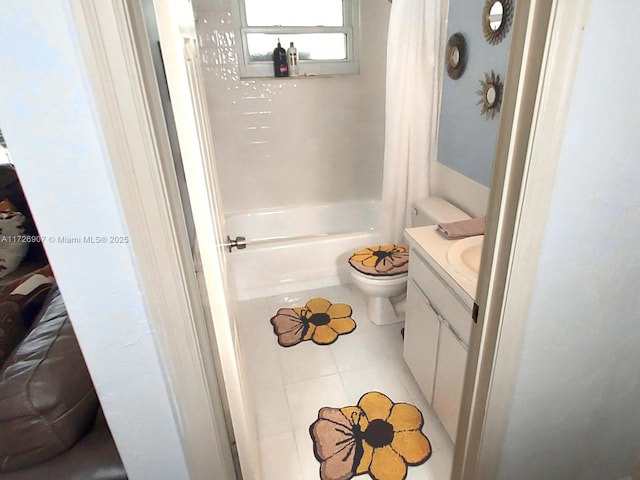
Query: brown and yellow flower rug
(377, 437)
(381, 260)
(319, 320)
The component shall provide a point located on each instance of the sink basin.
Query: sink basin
(464, 257)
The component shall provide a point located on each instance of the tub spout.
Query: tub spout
(239, 242)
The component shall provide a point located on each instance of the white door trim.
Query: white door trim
(546, 42)
(111, 35)
(176, 27)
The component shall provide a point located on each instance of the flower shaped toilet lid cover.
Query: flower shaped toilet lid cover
(381, 260)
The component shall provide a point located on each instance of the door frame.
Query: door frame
(113, 43)
(179, 45)
(543, 61)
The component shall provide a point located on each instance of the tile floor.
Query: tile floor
(290, 385)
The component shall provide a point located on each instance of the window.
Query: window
(325, 33)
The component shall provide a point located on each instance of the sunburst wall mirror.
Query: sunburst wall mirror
(456, 56)
(490, 95)
(497, 16)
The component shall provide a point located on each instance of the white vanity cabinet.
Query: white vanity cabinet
(421, 331)
(437, 330)
(452, 360)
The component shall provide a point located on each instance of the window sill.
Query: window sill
(305, 76)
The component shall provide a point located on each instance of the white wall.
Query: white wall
(575, 409)
(294, 141)
(50, 124)
(463, 192)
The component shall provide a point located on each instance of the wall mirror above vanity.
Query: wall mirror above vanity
(490, 94)
(497, 16)
(456, 56)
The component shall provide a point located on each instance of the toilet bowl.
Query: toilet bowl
(386, 291)
(385, 296)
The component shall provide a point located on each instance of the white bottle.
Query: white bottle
(292, 60)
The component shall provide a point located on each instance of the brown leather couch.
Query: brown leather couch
(51, 425)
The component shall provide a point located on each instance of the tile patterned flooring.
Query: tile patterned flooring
(290, 385)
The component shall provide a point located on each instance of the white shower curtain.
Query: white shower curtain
(414, 67)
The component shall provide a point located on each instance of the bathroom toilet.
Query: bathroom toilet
(380, 271)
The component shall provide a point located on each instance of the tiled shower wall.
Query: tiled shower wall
(294, 141)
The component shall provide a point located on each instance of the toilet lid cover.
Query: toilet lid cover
(381, 260)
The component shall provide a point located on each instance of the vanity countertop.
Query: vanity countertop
(433, 247)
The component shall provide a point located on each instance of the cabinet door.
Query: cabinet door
(421, 339)
(452, 360)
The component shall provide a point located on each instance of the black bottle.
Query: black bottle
(280, 68)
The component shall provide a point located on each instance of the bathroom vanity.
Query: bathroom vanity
(440, 296)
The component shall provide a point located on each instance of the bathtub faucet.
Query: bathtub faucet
(239, 242)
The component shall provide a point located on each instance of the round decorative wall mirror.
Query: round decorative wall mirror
(497, 16)
(456, 56)
(490, 95)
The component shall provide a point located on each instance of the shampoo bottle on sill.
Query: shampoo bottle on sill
(292, 60)
(280, 68)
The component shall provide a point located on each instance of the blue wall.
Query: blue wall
(467, 139)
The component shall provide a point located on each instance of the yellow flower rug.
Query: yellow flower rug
(381, 260)
(377, 437)
(319, 320)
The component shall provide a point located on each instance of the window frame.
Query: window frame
(348, 66)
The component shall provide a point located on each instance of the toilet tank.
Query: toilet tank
(434, 210)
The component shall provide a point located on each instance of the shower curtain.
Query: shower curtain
(414, 67)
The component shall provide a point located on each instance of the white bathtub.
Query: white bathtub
(299, 248)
